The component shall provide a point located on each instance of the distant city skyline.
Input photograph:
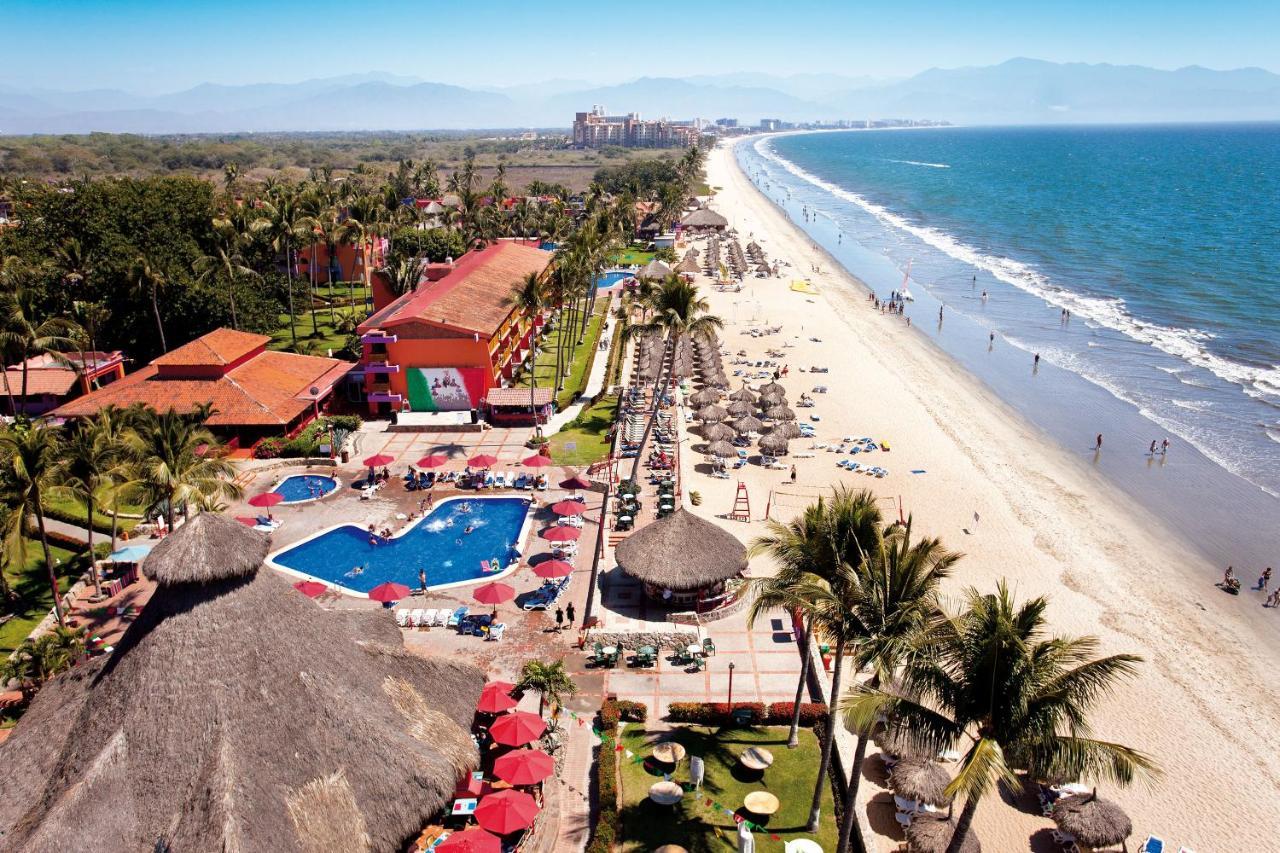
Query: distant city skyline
(150, 47)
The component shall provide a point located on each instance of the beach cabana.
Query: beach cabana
(235, 714)
(722, 449)
(655, 270)
(772, 388)
(928, 834)
(705, 397)
(921, 780)
(774, 445)
(744, 394)
(747, 424)
(711, 414)
(704, 220)
(1093, 821)
(683, 560)
(688, 265)
(785, 429)
(780, 413)
(739, 408)
(717, 432)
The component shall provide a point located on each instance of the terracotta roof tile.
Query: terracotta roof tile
(42, 380)
(221, 346)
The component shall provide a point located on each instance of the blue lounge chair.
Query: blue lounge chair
(1152, 845)
(455, 618)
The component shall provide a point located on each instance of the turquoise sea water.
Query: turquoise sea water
(1163, 243)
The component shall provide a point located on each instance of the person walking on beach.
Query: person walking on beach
(1274, 600)
(568, 615)
(1164, 447)
(1264, 580)
(793, 473)
(1098, 444)
(559, 619)
(1152, 451)
(1036, 362)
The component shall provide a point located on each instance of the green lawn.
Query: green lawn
(580, 367)
(626, 257)
(71, 510)
(347, 297)
(31, 583)
(700, 828)
(588, 434)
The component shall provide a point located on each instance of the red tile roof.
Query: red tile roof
(56, 381)
(221, 346)
(470, 297)
(517, 397)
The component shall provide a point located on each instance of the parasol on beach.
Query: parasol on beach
(771, 388)
(1093, 821)
(774, 445)
(744, 394)
(711, 414)
(723, 449)
(767, 401)
(780, 413)
(749, 423)
(705, 397)
(921, 780)
(738, 408)
(785, 429)
(928, 834)
(717, 432)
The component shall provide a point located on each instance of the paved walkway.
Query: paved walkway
(595, 382)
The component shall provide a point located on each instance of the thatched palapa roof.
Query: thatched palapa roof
(655, 269)
(1093, 821)
(681, 552)
(235, 714)
(933, 835)
(704, 218)
(921, 780)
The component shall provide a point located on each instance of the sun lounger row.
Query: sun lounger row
(421, 618)
(546, 596)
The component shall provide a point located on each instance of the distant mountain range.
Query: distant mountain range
(1020, 91)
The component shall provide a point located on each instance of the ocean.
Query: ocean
(1162, 243)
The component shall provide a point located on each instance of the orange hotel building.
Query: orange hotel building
(446, 344)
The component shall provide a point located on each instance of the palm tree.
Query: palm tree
(90, 462)
(403, 274)
(896, 599)
(149, 280)
(175, 466)
(114, 424)
(678, 310)
(548, 680)
(284, 226)
(227, 259)
(993, 676)
(528, 297)
(36, 661)
(32, 453)
(23, 335)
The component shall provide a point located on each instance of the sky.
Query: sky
(150, 47)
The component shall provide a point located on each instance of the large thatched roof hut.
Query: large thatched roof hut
(1092, 820)
(655, 269)
(704, 220)
(235, 714)
(933, 835)
(683, 560)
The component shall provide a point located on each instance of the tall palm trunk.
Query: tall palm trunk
(311, 293)
(962, 825)
(793, 739)
(48, 558)
(155, 309)
(851, 790)
(333, 317)
(288, 268)
(828, 739)
(115, 523)
(93, 564)
(653, 409)
(8, 392)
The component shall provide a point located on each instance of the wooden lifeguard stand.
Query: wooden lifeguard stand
(741, 504)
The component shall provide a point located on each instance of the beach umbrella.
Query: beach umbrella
(495, 701)
(471, 841)
(718, 381)
(517, 728)
(749, 423)
(561, 534)
(785, 429)
(389, 591)
(577, 481)
(482, 460)
(524, 767)
(771, 399)
(928, 834)
(310, 588)
(738, 408)
(921, 780)
(568, 507)
(551, 569)
(537, 460)
(717, 432)
(771, 388)
(435, 460)
(712, 413)
(507, 811)
(780, 413)
(494, 593)
(1093, 821)
(723, 449)
(266, 499)
(744, 394)
(705, 397)
(774, 445)
(379, 459)
(655, 269)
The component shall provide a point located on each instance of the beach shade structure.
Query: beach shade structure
(785, 429)
(717, 432)
(688, 265)
(310, 588)
(771, 388)
(434, 460)
(744, 394)
(483, 460)
(774, 445)
(928, 834)
(379, 459)
(895, 742)
(768, 401)
(722, 449)
(389, 591)
(567, 508)
(577, 481)
(561, 534)
(537, 460)
(681, 558)
(524, 767)
(266, 499)
(655, 270)
(711, 414)
(495, 698)
(517, 728)
(507, 811)
(704, 218)
(552, 569)
(921, 780)
(397, 724)
(780, 413)
(718, 381)
(749, 423)
(1093, 821)
(494, 593)
(473, 840)
(738, 408)
(705, 397)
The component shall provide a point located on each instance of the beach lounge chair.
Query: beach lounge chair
(428, 618)
(402, 618)
(496, 631)
(1152, 845)
(455, 618)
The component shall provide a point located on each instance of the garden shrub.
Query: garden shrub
(810, 713)
(631, 712)
(269, 448)
(715, 713)
(605, 829)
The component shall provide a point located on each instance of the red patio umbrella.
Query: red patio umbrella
(561, 534)
(577, 481)
(568, 507)
(494, 593)
(504, 686)
(495, 701)
(435, 460)
(389, 592)
(517, 728)
(482, 460)
(379, 459)
(471, 841)
(551, 569)
(538, 461)
(524, 767)
(507, 811)
(310, 588)
(266, 499)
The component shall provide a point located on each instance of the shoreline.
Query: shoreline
(1048, 524)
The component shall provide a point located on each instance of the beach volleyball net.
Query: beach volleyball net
(786, 502)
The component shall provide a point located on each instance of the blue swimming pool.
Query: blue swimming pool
(609, 279)
(305, 487)
(438, 544)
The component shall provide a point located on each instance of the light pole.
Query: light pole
(731, 688)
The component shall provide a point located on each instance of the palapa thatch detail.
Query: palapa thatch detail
(785, 429)
(705, 397)
(717, 432)
(235, 714)
(738, 408)
(896, 742)
(688, 265)
(704, 218)
(655, 269)
(744, 394)
(712, 413)
(723, 449)
(780, 413)
(933, 835)
(1093, 821)
(768, 401)
(749, 423)
(774, 445)
(771, 388)
(681, 552)
(921, 780)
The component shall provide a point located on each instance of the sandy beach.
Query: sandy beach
(1204, 701)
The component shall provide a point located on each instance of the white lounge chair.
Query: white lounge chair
(429, 618)
(496, 630)
(402, 618)
(442, 617)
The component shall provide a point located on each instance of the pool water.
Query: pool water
(609, 279)
(305, 487)
(438, 543)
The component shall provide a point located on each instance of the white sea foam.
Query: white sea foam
(919, 163)
(1110, 312)
(435, 525)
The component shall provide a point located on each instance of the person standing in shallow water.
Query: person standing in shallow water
(1098, 444)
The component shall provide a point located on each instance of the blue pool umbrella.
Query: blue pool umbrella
(129, 554)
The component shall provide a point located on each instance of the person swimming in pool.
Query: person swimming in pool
(468, 529)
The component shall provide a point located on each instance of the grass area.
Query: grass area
(588, 434)
(345, 295)
(626, 257)
(700, 828)
(31, 584)
(544, 370)
(71, 510)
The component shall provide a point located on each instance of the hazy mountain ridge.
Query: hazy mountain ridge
(1017, 91)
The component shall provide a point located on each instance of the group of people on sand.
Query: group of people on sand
(1231, 584)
